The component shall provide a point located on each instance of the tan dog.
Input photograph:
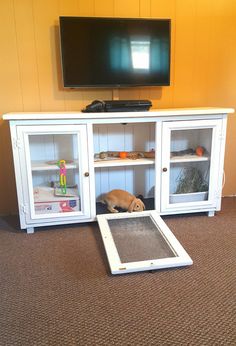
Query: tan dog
(124, 200)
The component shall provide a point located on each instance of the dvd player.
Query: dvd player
(118, 106)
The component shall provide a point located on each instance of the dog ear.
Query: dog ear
(131, 206)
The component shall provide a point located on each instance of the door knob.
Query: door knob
(164, 169)
(86, 174)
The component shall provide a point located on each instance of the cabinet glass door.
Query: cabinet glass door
(56, 171)
(190, 161)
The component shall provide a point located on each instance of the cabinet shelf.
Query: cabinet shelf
(189, 158)
(44, 166)
(123, 162)
(188, 197)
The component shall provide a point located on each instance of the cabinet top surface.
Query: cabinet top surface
(113, 115)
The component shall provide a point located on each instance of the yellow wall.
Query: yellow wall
(203, 64)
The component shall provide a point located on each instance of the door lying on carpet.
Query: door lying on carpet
(140, 241)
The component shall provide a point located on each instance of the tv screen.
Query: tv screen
(115, 52)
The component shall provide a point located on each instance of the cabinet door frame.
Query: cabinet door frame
(117, 266)
(23, 133)
(213, 192)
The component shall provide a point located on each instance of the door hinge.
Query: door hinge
(217, 194)
(16, 143)
(23, 208)
(221, 137)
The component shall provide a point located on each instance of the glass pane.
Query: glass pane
(190, 159)
(139, 239)
(189, 182)
(55, 173)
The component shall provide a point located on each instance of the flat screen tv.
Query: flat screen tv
(114, 52)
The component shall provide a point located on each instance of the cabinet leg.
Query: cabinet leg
(211, 213)
(30, 230)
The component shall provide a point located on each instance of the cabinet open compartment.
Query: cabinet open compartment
(136, 172)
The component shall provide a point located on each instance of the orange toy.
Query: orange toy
(199, 151)
(123, 154)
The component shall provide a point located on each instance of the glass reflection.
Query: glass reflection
(140, 54)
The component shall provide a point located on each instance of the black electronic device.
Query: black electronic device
(95, 106)
(118, 106)
(114, 52)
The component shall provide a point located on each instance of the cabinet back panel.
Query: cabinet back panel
(136, 180)
(53, 147)
(190, 139)
(120, 137)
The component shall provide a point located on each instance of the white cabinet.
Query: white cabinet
(53, 174)
(172, 177)
(191, 173)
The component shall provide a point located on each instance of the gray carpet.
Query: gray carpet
(56, 288)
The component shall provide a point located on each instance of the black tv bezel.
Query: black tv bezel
(105, 86)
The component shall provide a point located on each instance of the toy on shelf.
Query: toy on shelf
(189, 151)
(47, 202)
(132, 155)
(55, 162)
(123, 154)
(71, 190)
(62, 177)
(199, 151)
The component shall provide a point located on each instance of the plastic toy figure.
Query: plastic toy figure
(62, 166)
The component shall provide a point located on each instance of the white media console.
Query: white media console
(175, 179)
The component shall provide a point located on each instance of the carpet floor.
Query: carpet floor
(56, 288)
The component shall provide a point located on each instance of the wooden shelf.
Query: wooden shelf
(188, 197)
(44, 166)
(123, 162)
(188, 158)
